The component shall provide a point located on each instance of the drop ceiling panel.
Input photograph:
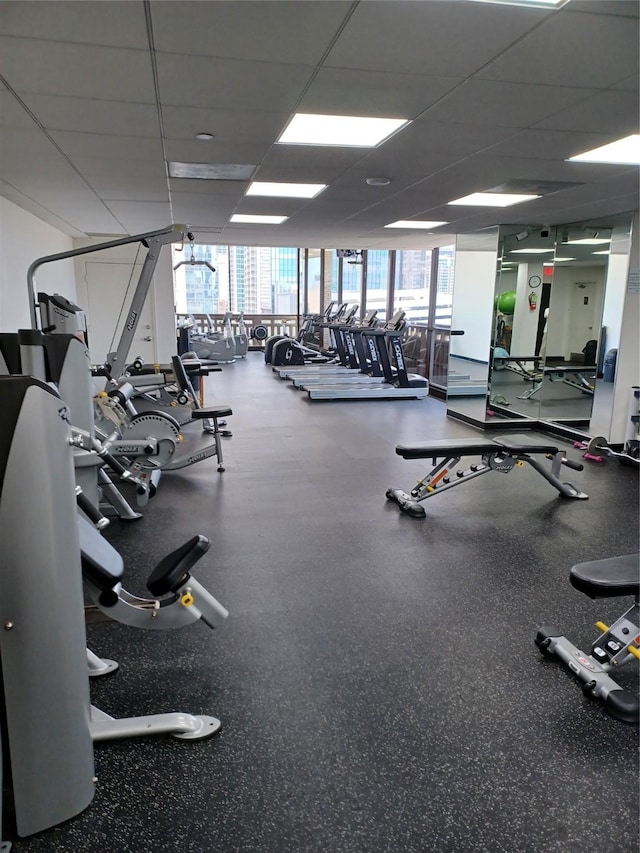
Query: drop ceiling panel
(194, 151)
(571, 49)
(139, 217)
(197, 81)
(190, 209)
(248, 30)
(630, 8)
(231, 125)
(26, 203)
(93, 219)
(131, 189)
(99, 168)
(430, 137)
(12, 113)
(307, 163)
(87, 115)
(615, 111)
(196, 186)
(429, 38)
(629, 84)
(83, 71)
(106, 23)
(549, 144)
(373, 93)
(107, 146)
(504, 104)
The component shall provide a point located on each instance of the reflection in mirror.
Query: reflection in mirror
(590, 274)
(520, 316)
(471, 322)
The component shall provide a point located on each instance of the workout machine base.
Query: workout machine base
(616, 646)
(178, 725)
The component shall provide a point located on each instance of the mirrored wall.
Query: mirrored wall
(554, 316)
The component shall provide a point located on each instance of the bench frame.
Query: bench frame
(499, 454)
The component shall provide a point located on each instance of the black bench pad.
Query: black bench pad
(445, 447)
(469, 446)
(607, 578)
(525, 444)
(211, 412)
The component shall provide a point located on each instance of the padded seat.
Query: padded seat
(445, 447)
(211, 412)
(525, 444)
(607, 578)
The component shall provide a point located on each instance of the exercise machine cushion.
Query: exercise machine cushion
(524, 444)
(102, 565)
(472, 446)
(173, 570)
(607, 578)
(211, 412)
(445, 447)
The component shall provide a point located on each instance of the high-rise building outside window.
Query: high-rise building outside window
(248, 279)
(412, 284)
(351, 281)
(444, 294)
(377, 281)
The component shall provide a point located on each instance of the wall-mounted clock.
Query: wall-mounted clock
(535, 281)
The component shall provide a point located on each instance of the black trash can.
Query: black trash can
(609, 372)
(589, 352)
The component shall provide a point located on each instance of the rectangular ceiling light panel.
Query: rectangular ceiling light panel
(348, 131)
(530, 251)
(212, 171)
(493, 199)
(624, 151)
(248, 218)
(415, 223)
(276, 190)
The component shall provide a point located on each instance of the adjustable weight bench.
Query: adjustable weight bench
(616, 646)
(501, 454)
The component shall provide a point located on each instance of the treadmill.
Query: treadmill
(395, 383)
(339, 363)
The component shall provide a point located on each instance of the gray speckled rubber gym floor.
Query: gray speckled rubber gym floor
(377, 678)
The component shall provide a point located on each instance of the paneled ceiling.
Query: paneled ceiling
(97, 98)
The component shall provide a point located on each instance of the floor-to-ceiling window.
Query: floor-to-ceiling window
(248, 279)
(377, 281)
(412, 284)
(351, 280)
(444, 287)
(314, 281)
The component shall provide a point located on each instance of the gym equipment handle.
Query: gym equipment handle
(93, 513)
(576, 466)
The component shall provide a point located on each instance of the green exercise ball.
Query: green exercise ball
(507, 302)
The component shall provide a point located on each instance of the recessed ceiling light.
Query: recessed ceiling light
(604, 252)
(588, 241)
(530, 251)
(415, 223)
(211, 171)
(551, 4)
(624, 151)
(204, 137)
(378, 182)
(357, 131)
(493, 199)
(561, 260)
(269, 188)
(238, 218)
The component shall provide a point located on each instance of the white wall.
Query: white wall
(473, 294)
(628, 361)
(566, 300)
(525, 321)
(24, 239)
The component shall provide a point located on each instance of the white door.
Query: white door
(110, 289)
(585, 309)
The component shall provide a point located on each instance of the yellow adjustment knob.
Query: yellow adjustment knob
(520, 463)
(602, 627)
(187, 599)
(181, 438)
(635, 651)
(102, 394)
